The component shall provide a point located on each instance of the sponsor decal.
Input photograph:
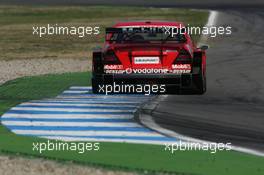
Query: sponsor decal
(181, 66)
(148, 71)
(180, 71)
(113, 66)
(146, 60)
(114, 71)
(176, 69)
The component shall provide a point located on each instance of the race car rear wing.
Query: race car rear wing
(151, 30)
(141, 29)
(135, 30)
(113, 30)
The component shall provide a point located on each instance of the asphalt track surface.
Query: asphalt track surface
(232, 110)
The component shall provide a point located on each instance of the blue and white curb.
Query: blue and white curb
(79, 115)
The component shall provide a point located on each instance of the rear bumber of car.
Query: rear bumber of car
(181, 77)
(172, 83)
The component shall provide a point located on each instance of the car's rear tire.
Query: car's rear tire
(200, 84)
(95, 86)
(199, 77)
(97, 71)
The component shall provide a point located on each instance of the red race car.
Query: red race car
(149, 57)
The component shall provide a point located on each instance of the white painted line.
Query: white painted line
(63, 104)
(86, 101)
(213, 15)
(75, 124)
(68, 109)
(72, 139)
(148, 121)
(89, 133)
(72, 116)
(81, 87)
(74, 92)
(82, 96)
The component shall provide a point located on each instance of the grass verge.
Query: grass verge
(131, 157)
(18, 42)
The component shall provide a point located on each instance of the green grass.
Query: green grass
(16, 22)
(131, 157)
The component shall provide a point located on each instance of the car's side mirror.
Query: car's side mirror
(204, 47)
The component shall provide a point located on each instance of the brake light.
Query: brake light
(111, 58)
